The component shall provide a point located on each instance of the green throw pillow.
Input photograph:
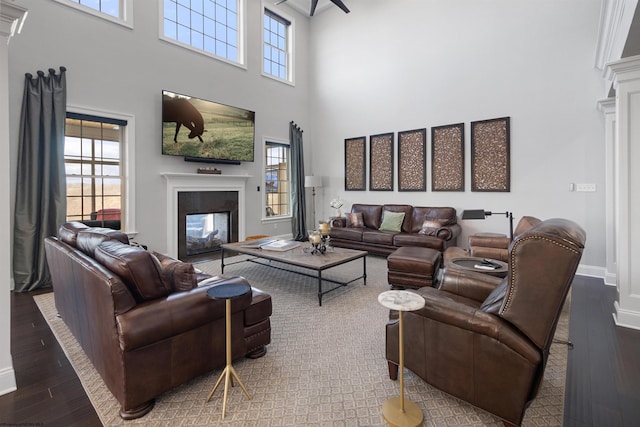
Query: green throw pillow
(391, 221)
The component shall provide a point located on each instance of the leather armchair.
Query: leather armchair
(486, 340)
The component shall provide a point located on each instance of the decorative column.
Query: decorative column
(625, 75)
(608, 107)
(11, 19)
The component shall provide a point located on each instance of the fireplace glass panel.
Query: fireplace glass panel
(206, 232)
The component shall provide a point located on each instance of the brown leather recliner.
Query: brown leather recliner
(486, 340)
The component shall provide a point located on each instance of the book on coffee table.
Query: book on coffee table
(280, 245)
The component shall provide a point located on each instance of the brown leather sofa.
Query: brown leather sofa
(429, 227)
(145, 321)
(486, 340)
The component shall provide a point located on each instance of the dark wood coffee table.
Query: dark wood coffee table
(298, 258)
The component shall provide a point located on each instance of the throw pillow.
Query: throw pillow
(355, 220)
(435, 228)
(391, 221)
(181, 276)
(430, 227)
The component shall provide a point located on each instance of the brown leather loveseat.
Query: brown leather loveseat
(145, 321)
(429, 227)
(486, 340)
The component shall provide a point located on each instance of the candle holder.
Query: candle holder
(319, 241)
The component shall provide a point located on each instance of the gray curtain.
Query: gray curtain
(298, 204)
(40, 205)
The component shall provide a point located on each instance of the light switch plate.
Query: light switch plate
(590, 188)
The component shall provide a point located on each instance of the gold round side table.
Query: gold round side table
(228, 292)
(398, 411)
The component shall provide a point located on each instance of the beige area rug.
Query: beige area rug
(325, 365)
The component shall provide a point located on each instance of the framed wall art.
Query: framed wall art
(447, 158)
(381, 162)
(355, 164)
(490, 155)
(412, 155)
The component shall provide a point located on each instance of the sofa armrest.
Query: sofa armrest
(172, 315)
(469, 284)
(455, 230)
(338, 221)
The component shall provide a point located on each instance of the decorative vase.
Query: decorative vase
(338, 213)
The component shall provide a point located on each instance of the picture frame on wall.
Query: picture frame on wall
(412, 155)
(381, 162)
(355, 164)
(447, 158)
(490, 155)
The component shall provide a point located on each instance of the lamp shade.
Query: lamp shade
(312, 181)
(474, 214)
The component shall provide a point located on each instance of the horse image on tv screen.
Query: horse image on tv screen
(194, 127)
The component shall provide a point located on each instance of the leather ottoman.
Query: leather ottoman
(413, 267)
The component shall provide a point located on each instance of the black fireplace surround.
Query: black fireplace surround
(205, 202)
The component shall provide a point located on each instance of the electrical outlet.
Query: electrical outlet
(590, 188)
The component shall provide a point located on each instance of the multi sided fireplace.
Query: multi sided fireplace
(206, 220)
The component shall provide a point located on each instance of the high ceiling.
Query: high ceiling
(304, 6)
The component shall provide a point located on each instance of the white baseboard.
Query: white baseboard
(591, 271)
(626, 318)
(7, 380)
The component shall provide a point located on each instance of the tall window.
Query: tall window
(210, 26)
(277, 177)
(276, 51)
(93, 164)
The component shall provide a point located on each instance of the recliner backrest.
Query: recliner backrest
(542, 264)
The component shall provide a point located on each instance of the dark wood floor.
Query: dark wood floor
(603, 373)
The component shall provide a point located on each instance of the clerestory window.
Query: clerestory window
(276, 46)
(212, 27)
(117, 11)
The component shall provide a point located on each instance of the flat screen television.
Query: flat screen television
(206, 131)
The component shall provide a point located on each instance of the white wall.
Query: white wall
(117, 69)
(386, 66)
(401, 65)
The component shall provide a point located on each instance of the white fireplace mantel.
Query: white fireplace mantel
(181, 182)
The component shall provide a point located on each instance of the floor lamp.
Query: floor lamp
(313, 182)
(482, 214)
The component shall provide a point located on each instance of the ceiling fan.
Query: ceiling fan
(314, 3)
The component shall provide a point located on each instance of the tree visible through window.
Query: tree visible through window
(207, 25)
(276, 45)
(277, 176)
(93, 166)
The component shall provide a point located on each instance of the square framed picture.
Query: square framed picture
(381, 162)
(355, 164)
(447, 158)
(412, 155)
(490, 155)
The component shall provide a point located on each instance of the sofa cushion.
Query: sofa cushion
(408, 211)
(353, 234)
(89, 238)
(415, 239)
(355, 220)
(137, 268)
(181, 276)
(372, 214)
(378, 237)
(392, 221)
(68, 232)
(434, 228)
